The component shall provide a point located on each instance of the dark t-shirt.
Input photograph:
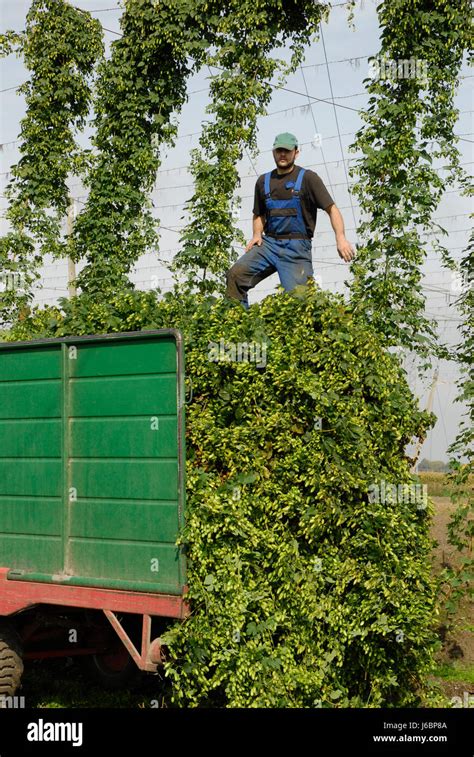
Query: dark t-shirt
(313, 195)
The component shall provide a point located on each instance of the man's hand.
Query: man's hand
(256, 239)
(345, 249)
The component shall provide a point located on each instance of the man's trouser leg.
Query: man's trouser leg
(251, 268)
(294, 262)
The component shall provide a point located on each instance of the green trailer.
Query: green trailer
(92, 498)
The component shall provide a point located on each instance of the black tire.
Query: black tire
(123, 673)
(11, 663)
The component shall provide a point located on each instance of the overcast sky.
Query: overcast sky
(333, 70)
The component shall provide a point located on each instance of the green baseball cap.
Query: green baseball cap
(286, 140)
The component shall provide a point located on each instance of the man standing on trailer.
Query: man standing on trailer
(284, 218)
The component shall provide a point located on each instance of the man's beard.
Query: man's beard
(289, 166)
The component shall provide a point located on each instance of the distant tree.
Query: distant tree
(435, 466)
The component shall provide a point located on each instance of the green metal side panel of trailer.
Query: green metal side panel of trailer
(92, 460)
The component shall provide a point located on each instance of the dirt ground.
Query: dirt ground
(444, 553)
(458, 646)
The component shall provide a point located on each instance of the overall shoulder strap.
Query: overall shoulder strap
(299, 180)
(267, 183)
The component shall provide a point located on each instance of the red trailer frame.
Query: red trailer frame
(16, 596)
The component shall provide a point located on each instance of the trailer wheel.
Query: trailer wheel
(11, 663)
(114, 670)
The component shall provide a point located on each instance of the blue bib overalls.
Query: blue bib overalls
(286, 247)
(285, 217)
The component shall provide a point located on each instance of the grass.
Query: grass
(63, 684)
(455, 671)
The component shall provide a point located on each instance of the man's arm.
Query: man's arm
(258, 216)
(257, 232)
(344, 248)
